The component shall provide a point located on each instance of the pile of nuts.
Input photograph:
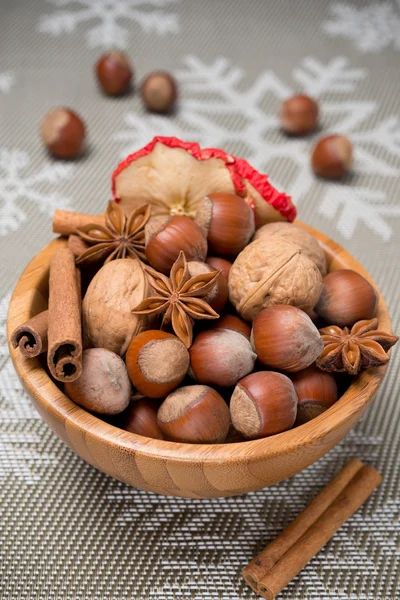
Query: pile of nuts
(205, 329)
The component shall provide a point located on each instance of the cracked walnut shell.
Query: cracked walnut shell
(280, 273)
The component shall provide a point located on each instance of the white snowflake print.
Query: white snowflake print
(371, 28)
(7, 80)
(20, 442)
(18, 185)
(112, 18)
(216, 110)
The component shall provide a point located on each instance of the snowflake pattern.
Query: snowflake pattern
(20, 443)
(18, 183)
(371, 28)
(215, 110)
(150, 15)
(7, 80)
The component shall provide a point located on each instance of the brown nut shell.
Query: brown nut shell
(104, 385)
(159, 92)
(220, 264)
(316, 392)
(285, 338)
(141, 418)
(195, 414)
(263, 404)
(265, 274)
(63, 133)
(332, 157)
(299, 114)
(232, 322)
(346, 297)
(157, 362)
(114, 73)
(218, 296)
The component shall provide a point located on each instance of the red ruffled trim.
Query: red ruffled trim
(239, 170)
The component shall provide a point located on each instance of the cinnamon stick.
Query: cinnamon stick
(64, 357)
(77, 245)
(268, 557)
(66, 222)
(347, 502)
(31, 336)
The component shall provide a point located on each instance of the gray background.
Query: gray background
(68, 531)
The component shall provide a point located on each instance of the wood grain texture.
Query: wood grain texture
(187, 470)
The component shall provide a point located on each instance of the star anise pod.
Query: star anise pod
(361, 347)
(120, 237)
(180, 298)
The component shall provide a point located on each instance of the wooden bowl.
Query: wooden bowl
(187, 470)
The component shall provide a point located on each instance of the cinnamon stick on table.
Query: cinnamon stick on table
(66, 222)
(284, 558)
(64, 357)
(31, 336)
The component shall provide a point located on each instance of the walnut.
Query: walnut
(279, 273)
(113, 293)
(298, 236)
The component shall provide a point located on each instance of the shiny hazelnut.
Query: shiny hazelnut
(63, 133)
(228, 221)
(233, 323)
(299, 115)
(285, 338)
(159, 92)
(316, 392)
(114, 73)
(196, 414)
(157, 362)
(263, 404)
(141, 418)
(167, 236)
(218, 296)
(104, 385)
(346, 297)
(220, 357)
(332, 156)
(220, 264)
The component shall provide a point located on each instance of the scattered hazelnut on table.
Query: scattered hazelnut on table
(157, 362)
(63, 133)
(104, 385)
(196, 414)
(141, 418)
(220, 357)
(228, 222)
(159, 92)
(346, 297)
(332, 156)
(316, 392)
(299, 115)
(263, 404)
(285, 338)
(114, 73)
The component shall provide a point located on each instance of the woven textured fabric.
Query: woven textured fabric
(69, 532)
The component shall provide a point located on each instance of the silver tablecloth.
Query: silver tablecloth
(68, 531)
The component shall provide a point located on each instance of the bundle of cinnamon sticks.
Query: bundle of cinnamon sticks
(271, 570)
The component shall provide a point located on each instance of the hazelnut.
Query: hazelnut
(218, 296)
(299, 115)
(332, 156)
(159, 92)
(167, 236)
(104, 385)
(268, 273)
(114, 73)
(141, 418)
(316, 392)
(346, 297)
(63, 133)
(220, 264)
(232, 322)
(297, 236)
(220, 357)
(263, 404)
(285, 338)
(228, 221)
(196, 414)
(157, 362)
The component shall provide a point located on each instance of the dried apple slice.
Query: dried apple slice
(173, 176)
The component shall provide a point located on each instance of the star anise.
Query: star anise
(180, 298)
(362, 347)
(121, 237)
